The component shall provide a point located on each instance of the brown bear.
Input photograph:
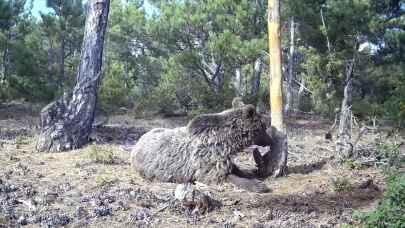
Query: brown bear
(202, 151)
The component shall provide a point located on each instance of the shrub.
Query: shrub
(389, 155)
(114, 89)
(364, 109)
(163, 97)
(391, 210)
(395, 109)
(179, 90)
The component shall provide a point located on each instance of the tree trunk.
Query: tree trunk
(276, 160)
(50, 63)
(67, 122)
(238, 81)
(6, 57)
(257, 72)
(343, 144)
(289, 94)
(329, 81)
(62, 60)
(212, 74)
(300, 92)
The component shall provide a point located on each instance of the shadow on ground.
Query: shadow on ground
(307, 168)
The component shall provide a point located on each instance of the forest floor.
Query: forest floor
(57, 189)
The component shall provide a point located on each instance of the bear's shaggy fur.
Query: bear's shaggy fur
(202, 151)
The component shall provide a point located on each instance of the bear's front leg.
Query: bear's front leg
(259, 160)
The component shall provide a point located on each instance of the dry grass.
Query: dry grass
(100, 154)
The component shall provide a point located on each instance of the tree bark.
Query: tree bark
(290, 76)
(343, 144)
(211, 72)
(238, 81)
(50, 62)
(66, 123)
(276, 160)
(6, 57)
(300, 92)
(255, 83)
(62, 59)
(329, 81)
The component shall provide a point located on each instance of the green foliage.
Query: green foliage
(185, 55)
(30, 49)
(315, 69)
(395, 104)
(391, 210)
(163, 97)
(204, 43)
(114, 91)
(389, 155)
(365, 109)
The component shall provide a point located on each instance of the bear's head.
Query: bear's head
(238, 127)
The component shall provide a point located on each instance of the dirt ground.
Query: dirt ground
(71, 189)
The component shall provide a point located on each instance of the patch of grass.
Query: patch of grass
(104, 180)
(21, 140)
(341, 184)
(99, 154)
(352, 164)
(391, 210)
(347, 226)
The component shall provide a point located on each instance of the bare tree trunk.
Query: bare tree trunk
(6, 57)
(289, 92)
(257, 73)
(238, 81)
(343, 144)
(62, 60)
(212, 74)
(67, 122)
(276, 160)
(329, 82)
(301, 92)
(50, 62)
(326, 32)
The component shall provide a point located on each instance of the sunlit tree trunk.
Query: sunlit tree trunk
(66, 123)
(276, 160)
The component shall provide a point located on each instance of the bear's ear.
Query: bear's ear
(205, 122)
(249, 111)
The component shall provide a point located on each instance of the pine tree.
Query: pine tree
(67, 123)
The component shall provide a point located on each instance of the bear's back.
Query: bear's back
(157, 154)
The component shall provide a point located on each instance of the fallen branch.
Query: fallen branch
(303, 86)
